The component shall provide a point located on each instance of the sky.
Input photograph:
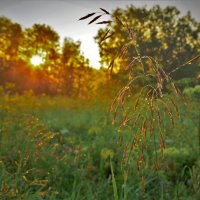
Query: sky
(63, 15)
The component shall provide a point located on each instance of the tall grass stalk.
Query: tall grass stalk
(114, 184)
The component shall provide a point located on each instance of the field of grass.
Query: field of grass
(55, 148)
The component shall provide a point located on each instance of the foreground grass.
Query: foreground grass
(59, 148)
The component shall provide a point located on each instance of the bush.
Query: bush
(193, 92)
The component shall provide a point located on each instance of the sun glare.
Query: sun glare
(36, 60)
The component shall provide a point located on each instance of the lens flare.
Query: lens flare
(36, 60)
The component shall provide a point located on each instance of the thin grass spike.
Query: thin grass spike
(94, 19)
(104, 22)
(105, 11)
(87, 16)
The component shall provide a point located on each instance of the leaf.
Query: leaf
(104, 22)
(105, 11)
(93, 20)
(86, 16)
(116, 197)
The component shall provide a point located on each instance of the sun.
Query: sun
(36, 60)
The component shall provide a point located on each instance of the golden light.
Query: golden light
(36, 60)
(49, 69)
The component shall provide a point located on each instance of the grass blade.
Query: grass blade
(114, 182)
(94, 19)
(104, 22)
(105, 11)
(86, 16)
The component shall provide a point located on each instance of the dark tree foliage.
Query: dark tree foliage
(11, 36)
(161, 33)
(64, 69)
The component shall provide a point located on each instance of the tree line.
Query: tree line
(162, 33)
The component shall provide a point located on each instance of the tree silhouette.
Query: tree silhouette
(161, 33)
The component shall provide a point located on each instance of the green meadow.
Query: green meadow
(61, 148)
(129, 130)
